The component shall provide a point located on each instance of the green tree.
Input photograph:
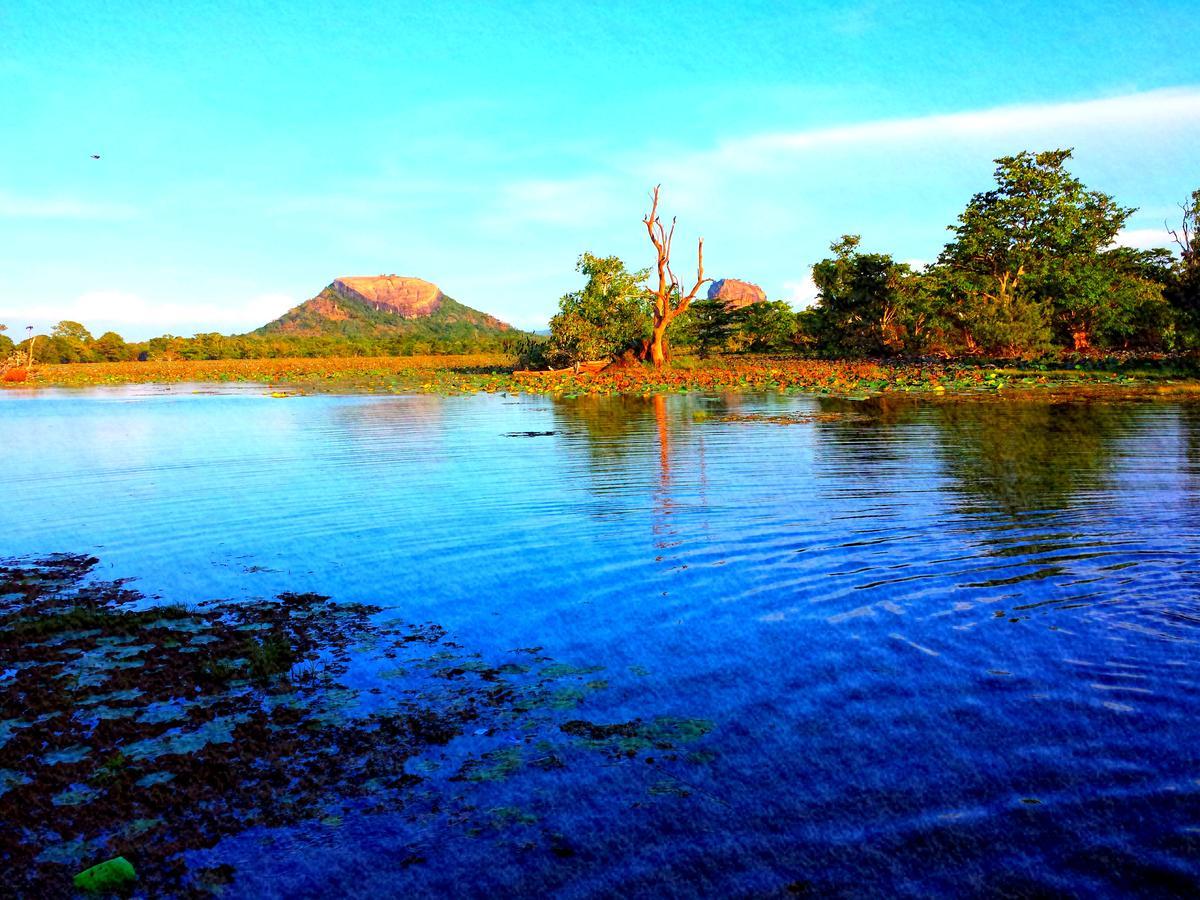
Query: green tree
(71, 331)
(1130, 289)
(68, 342)
(866, 301)
(1027, 256)
(164, 347)
(709, 324)
(1109, 298)
(44, 349)
(607, 317)
(765, 326)
(6, 344)
(110, 347)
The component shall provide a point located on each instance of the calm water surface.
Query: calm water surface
(945, 648)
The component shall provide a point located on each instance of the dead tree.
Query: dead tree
(669, 301)
(1189, 243)
(18, 362)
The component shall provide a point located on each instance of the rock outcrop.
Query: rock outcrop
(367, 307)
(736, 294)
(407, 297)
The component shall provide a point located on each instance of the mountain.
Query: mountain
(736, 294)
(385, 307)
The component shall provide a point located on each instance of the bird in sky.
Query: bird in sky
(95, 156)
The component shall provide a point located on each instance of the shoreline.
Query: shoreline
(458, 375)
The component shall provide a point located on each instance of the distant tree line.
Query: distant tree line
(1031, 268)
(71, 342)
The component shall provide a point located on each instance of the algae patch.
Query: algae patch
(147, 734)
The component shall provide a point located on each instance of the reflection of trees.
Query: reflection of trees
(1024, 457)
(663, 502)
(1189, 425)
(1014, 456)
(407, 413)
(1189, 421)
(629, 438)
(614, 427)
(862, 432)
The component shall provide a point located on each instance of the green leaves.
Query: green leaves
(1030, 254)
(870, 305)
(608, 316)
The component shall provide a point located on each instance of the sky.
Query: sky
(251, 153)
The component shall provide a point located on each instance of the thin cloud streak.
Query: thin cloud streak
(1158, 108)
(1144, 239)
(698, 178)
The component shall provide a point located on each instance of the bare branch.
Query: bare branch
(669, 299)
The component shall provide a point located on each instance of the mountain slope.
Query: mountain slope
(386, 307)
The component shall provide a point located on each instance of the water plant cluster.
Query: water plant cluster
(143, 732)
(450, 375)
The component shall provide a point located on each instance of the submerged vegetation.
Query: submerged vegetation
(133, 734)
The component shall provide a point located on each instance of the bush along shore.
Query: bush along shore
(1065, 376)
(135, 733)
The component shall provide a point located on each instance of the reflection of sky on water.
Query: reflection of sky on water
(909, 621)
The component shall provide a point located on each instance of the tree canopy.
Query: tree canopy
(608, 316)
(1027, 262)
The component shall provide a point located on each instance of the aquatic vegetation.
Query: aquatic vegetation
(455, 375)
(382, 372)
(270, 657)
(630, 738)
(150, 731)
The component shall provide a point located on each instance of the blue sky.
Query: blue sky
(250, 153)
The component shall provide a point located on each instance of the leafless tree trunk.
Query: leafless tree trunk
(1189, 243)
(669, 301)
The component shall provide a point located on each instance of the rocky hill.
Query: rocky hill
(381, 306)
(736, 294)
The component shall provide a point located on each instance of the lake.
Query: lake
(898, 647)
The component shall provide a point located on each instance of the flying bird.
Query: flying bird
(95, 156)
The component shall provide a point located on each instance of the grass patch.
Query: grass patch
(271, 657)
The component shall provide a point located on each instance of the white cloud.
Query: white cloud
(801, 294)
(761, 197)
(1143, 238)
(1141, 110)
(136, 317)
(568, 202)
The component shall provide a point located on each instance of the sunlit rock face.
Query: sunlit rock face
(408, 297)
(365, 307)
(736, 294)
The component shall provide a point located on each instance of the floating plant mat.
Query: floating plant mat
(779, 419)
(147, 733)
